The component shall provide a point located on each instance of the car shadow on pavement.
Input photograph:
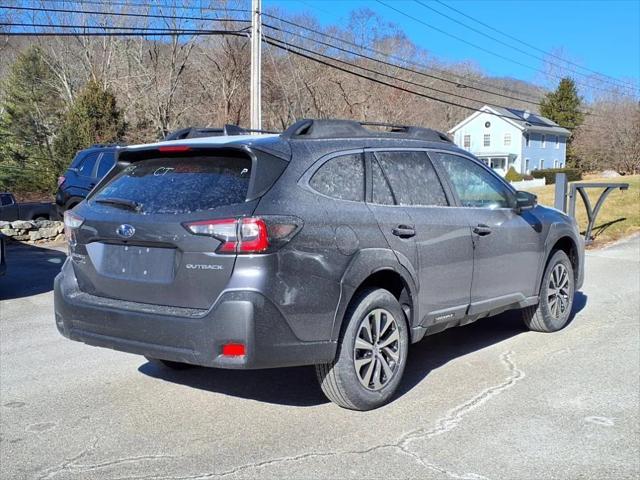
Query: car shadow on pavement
(30, 270)
(436, 350)
(298, 386)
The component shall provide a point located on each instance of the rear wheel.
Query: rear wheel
(371, 355)
(168, 364)
(556, 296)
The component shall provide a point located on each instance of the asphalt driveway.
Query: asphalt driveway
(488, 400)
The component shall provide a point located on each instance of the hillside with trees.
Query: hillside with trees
(60, 94)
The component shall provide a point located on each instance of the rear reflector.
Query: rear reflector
(233, 350)
(174, 148)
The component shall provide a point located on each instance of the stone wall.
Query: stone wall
(33, 230)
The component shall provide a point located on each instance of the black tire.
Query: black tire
(551, 315)
(340, 381)
(168, 364)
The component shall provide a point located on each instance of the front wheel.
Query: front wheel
(556, 296)
(371, 355)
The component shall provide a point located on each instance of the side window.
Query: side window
(382, 193)
(106, 162)
(412, 178)
(5, 199)
(87, 165)
(475, 186)
(341, 177)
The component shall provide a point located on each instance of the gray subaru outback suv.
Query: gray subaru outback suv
(332, 244)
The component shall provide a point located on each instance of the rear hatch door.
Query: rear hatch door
(133, 244)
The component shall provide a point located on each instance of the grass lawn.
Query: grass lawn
(619, 215)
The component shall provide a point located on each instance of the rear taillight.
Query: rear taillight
(72, 221)
(248, 234)
(61, 179)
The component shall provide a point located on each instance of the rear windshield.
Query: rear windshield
(180, 185)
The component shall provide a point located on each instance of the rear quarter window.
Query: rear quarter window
(181, 185)
(341, 177)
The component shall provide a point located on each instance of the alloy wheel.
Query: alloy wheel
(376, 350)
(558, 291)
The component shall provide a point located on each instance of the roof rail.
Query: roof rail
(107, 145)
(199, 132)
(330, 128)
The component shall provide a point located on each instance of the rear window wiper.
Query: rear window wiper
(120, 202)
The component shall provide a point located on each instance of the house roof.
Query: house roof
(522, 119)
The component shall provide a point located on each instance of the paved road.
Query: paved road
(484, 401)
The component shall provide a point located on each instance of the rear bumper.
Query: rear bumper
(186, 335)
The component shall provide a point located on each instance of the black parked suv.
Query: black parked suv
(330, 244)
(86, 169)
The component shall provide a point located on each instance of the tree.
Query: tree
(29, 115)
(609, 139)
(563, 107)
(93, 118)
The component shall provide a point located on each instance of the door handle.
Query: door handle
(404, 231)
(482, 229)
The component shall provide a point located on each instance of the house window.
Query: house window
(526, 139)
(526, 165)
(487, 140)
(557, 142)
(541, 166)
(544, 141)
(507, 139)
(467, 141)
(555, 164)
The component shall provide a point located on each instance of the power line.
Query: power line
(202, 18)
(461, 78)
(392, 77)
(130, 33)
(400, 59)
(287, 47)
(150, 31)
(351, 52)
(122, 14)
(103, 27)
(551, 54)
(486, 50)
(616, 83)
(418, 72)
(148, 5)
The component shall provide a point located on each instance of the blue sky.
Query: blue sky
(601, 35)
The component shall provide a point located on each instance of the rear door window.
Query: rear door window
(181, 185)
(413, 179)
(88, 164)
(341, 177)
(106, 162)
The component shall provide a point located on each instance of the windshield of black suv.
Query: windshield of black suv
(178, 185)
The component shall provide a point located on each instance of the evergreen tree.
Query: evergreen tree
(563, 107)
(93, 118)
(30, 113)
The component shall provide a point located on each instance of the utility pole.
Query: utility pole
(256, 64)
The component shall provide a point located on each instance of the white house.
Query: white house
(506, 137)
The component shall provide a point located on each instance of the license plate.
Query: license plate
(133, 262)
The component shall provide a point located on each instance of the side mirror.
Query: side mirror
(525, 201)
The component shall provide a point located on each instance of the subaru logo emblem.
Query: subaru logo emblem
(126, 230)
